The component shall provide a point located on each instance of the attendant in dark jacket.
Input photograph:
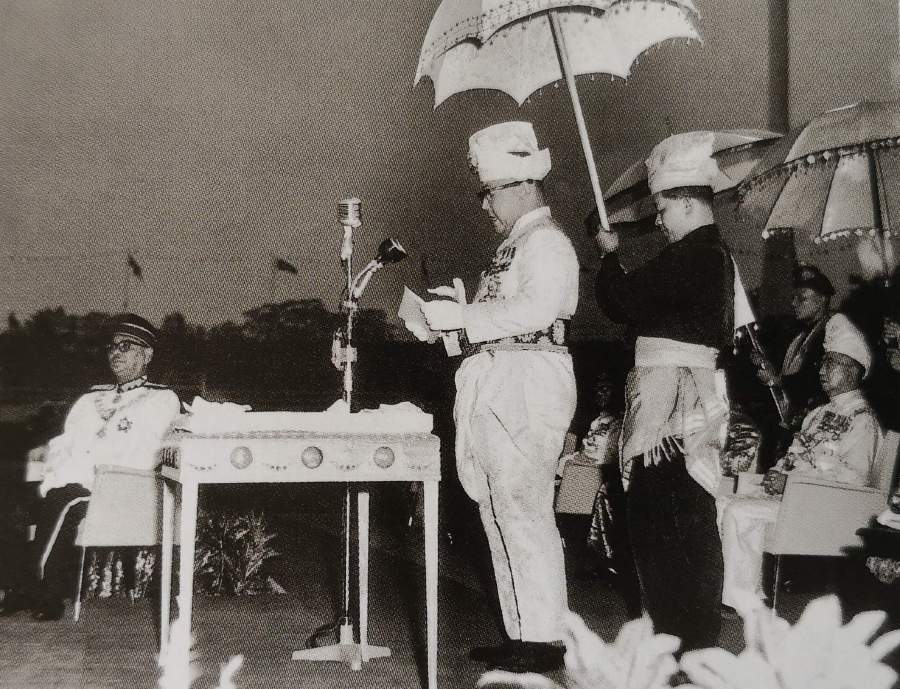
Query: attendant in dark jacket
(799, 372)
(681, 305)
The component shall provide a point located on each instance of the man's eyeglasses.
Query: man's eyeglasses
(483, 194)
(123, 346)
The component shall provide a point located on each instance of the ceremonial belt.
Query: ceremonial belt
(552, 339)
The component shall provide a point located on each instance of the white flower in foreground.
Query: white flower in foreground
(228, 671)
(816, 653)
(637, 659)
(176, 662)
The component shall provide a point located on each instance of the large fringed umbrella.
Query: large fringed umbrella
(519, 46)
(833, 185)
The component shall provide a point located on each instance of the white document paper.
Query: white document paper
(413, 316)
(411, 312)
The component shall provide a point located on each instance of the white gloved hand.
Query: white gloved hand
(420, 333)
(443, 315)
(457, 292)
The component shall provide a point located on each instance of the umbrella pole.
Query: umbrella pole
(879, 239)
(579, 117)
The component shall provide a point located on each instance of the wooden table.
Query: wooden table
(190, 460)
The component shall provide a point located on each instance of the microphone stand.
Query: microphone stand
(346, 650)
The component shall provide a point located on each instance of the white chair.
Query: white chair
(578, 488)
(820, 517)
(125, 509)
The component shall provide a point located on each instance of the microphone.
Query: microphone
(349, 215)
(389, 251)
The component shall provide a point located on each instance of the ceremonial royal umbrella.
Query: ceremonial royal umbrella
(737, 151)
(519, 46)
(834, 185)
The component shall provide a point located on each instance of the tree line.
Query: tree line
(277, 356)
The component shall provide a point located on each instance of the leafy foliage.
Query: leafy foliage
(231, 550)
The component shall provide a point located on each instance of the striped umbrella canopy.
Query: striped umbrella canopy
(833, 186)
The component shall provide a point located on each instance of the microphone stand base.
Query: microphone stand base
(345, 651)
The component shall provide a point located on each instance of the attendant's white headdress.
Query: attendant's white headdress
(683, 160)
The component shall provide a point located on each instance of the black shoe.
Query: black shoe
(532, 656)
(679, 678)
(49, 611)
(14, 602)
(490, 654)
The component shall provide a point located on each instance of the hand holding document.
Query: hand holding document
(414, 317)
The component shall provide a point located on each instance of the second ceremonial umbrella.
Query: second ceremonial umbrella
(519, 46)
(737, 152)
(832, 185)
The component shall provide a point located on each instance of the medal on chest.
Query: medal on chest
(491, 287)
(110, 406)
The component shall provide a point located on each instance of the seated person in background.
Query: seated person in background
(120, 424)
(601, 442)
(838, 441)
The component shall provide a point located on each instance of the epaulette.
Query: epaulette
(156, 386)
(102, 388)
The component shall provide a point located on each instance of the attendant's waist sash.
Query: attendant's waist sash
(661, 351)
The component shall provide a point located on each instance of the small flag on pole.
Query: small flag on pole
(281, 264)
(135, 267)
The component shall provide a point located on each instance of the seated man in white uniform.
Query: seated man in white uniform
(516, 392)
(838, 441)
(119, 424)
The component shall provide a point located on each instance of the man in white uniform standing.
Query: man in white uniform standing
(516, 392)
(119, 424)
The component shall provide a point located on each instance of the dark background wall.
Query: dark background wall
(207, 137)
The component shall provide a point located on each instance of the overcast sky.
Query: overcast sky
(207, 137)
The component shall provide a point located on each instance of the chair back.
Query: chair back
(125, 509)
(887, 461)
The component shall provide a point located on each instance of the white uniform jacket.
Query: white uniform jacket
(839, 441)
(109, 425)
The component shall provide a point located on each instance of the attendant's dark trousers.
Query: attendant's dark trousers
(677, 551)
(60, 569)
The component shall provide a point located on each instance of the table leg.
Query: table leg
(165, 586)
(431, 576)
(186, 565)
(362, 512)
